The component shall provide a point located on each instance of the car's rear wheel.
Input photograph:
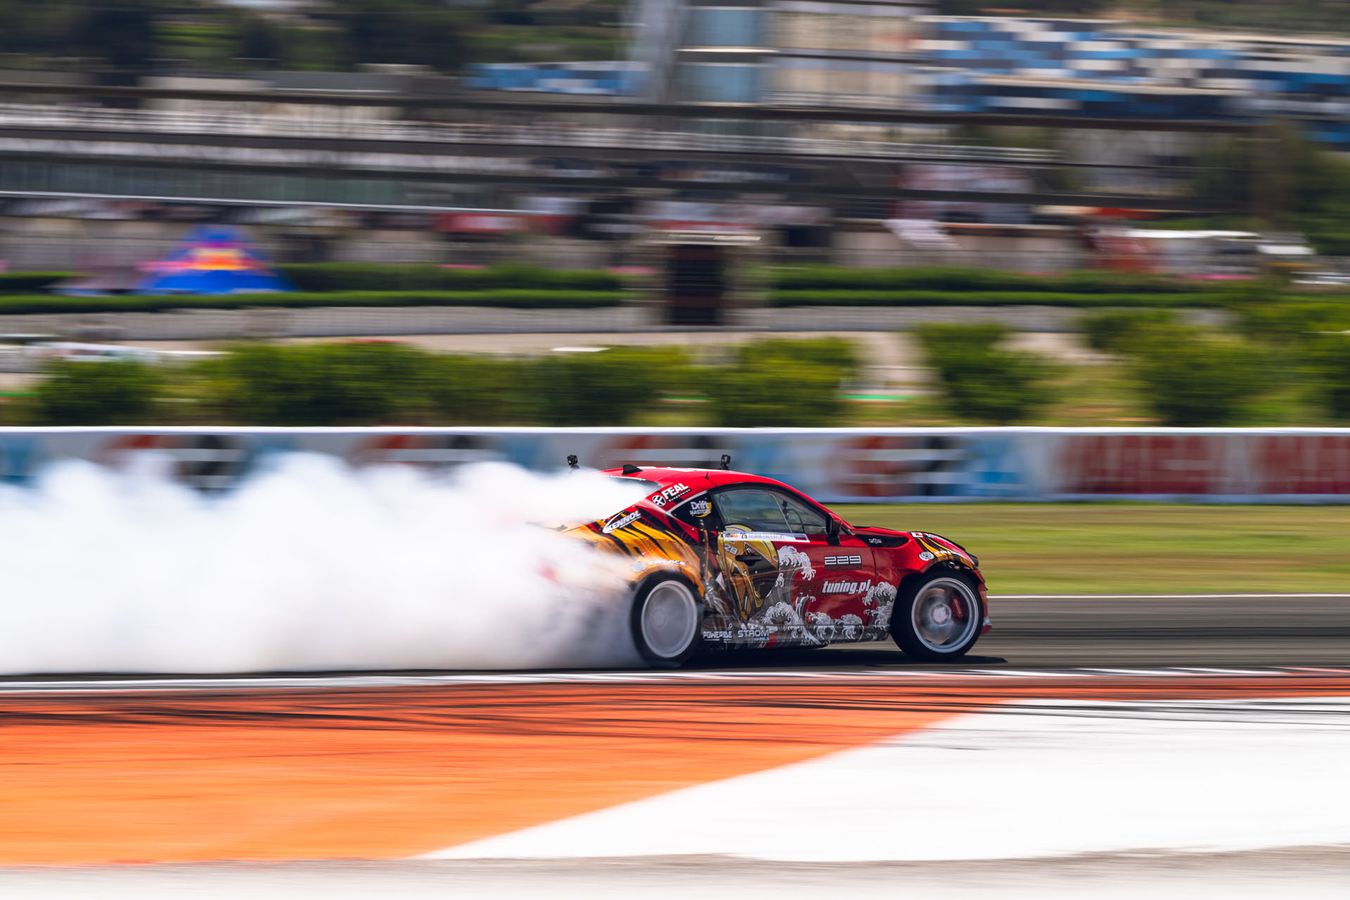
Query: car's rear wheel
(937, 617)
(667, 620)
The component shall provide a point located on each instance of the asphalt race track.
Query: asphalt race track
(1159, 631)
(1072, 632)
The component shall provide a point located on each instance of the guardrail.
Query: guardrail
(1291, 465)
(352, 126)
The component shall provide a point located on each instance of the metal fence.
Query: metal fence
(358, 124)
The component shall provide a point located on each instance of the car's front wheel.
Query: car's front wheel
(667, 620)
(938, 617)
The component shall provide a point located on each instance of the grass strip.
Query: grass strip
(1138, 548)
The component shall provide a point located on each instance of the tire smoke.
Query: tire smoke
(310, 565)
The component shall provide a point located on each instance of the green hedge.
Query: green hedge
(385, 383)
(608, 386)
(783, 382)
(950, 278)
(29, 282)
(481, 390)
(839, 355)
(981, 379)
(110, 392)
(1112, 330)
(1329, 358)
(1292, 320)
(989, 298)
(807, 394)
(315, 277)
(381, 382)
(518, 299)
(1197, 376)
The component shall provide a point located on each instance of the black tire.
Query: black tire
(663, 607)
(928, 626)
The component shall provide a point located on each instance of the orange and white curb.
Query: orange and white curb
(791, 765)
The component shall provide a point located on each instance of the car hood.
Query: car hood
(926, 541)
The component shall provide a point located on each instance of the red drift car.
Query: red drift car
(726, 559)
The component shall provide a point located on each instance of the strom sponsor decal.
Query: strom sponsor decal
(754, 633)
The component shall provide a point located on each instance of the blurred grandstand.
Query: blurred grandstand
(873, 133)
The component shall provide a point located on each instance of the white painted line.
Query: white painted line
(901, 674)
(1212, 671)
(995, 597)
(1148, 673)
(1029, 673)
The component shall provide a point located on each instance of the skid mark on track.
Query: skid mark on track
(383, 773)
(335, 682)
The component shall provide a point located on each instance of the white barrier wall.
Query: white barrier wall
(835, 465)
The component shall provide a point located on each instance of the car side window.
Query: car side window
(801, 518)
(756, 509)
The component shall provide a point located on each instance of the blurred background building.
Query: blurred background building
(872, 133)
(889, 55)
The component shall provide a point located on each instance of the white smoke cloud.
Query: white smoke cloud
(308, 566)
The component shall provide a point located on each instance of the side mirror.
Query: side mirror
(832, 530)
